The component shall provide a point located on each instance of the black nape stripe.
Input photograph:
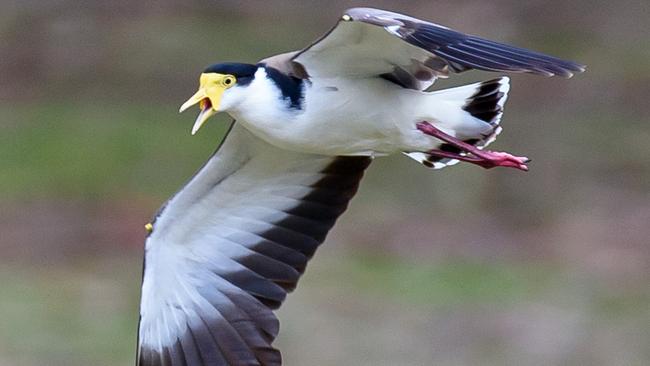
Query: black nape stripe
(292, 88)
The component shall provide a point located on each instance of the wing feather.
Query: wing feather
(228, 247)
(413, 52)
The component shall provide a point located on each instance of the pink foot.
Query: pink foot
(484, 158)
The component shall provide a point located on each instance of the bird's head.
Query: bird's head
(221, 87)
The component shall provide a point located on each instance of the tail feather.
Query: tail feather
(483, 103)
(487, 102)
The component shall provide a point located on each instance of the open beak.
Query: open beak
(208, 98)
(206, 109)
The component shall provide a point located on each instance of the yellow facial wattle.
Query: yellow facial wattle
(211, 89)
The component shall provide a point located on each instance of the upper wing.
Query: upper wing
(228, 247)
(412, 52)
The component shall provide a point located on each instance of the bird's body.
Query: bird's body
(227, 248)
(372, 110)
(378, 116)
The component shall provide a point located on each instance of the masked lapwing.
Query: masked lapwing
(223, 253)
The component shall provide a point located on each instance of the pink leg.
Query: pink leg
(484, 158)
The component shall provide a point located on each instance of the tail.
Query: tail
(473, 112)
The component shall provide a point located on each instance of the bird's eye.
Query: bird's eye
(228, 81)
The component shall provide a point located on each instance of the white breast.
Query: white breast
(339, 116)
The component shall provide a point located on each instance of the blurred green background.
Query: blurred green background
(455, 267)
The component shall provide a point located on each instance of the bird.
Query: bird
(223, 253)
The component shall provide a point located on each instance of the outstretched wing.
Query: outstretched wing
(413, 52)
(226, 249)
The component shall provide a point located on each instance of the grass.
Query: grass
(63, 316)
(449, 283)
(76, 315)
(86, 313)
(89, 151)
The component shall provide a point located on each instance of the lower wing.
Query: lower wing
(228, 247)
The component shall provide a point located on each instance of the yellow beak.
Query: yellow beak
(208, 97)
